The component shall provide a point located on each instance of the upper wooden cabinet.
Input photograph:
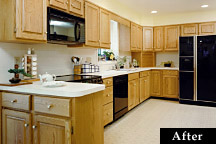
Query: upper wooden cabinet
(124, 38)
(207, 28)
(158, 39)
(76, 6)
(97, 26)
(104, 29)
(172, 34)
(136, 37)
(189, 29)
(148, 39)
(70, 6)
(62, 4)
(26, 22)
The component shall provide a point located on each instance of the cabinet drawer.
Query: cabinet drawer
(170, 72)
(144, 73)
(133, 76)
(17, 101)
(61, 107)
(108, 95)
(108, 113)
(108, 82)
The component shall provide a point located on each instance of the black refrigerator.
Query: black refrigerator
(197, 68)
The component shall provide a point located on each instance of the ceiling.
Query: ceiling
(168, 6)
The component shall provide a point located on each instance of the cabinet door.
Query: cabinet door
(170, 86)
(16, 127)
(158, 38)
(189, 30)
(172, 34)
(62, 4)
(207, 29)
(92, 18)
(143, 89)
(148, 39)
(104, 29)
(31, 19)
(47, 130)
(133, 93)
(134, 34)
(156, 83)
(77, 6)
(139, 38)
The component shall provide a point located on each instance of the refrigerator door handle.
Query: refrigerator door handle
(195, 68)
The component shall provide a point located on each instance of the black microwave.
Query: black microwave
(63, 28)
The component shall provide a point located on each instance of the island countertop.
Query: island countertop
(70, 90)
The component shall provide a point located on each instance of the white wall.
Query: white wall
(54, 59)
(187, 17)
(167, 56)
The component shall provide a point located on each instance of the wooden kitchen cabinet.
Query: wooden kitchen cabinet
(207, 28)
(136, 37)
(172, 34)
(108, 101)
(148, 59)
(158, 39)
(62, 4)
(148, 39)
(156, 83)
(144, 85)
(189, 29)
(77, 7)
(26, 22)
(170, 84)
(47, 130)
(133, 93)
(92, 18)
(97, 26)
(104, 29)
(16, 127)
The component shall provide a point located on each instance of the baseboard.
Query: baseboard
(164, 98)
(198, 103)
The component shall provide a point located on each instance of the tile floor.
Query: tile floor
(142, 124)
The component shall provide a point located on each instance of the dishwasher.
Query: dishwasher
(120, 96)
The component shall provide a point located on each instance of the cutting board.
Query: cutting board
(18, 84)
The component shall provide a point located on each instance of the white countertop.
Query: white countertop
(112, 73)
(70, 90)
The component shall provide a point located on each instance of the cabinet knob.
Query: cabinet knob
(108, 95)
(34, 127)
(26, 125)
(13, 101)
(66, 2)
(49, 106)
(108, 82)
(108, 113)
(134, 84)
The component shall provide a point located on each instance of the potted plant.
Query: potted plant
(16, 72)
(168, 64)
(109, 55)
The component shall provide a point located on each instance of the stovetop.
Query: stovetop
(80, 78)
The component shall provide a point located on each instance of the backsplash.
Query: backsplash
(54, 59)
(167, 56)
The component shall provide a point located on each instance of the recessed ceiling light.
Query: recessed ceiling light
(153, 12)
(204, 6)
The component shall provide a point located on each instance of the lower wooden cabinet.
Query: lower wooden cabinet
(144, 88)
(170, 84)
(47, 130)
(156, 83)
(16, 127)
(133, 93)
(108, 113)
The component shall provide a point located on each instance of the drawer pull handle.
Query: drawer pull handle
(108, 82)
(13, 101)
(108, 95)
(49, 106)
(34, 127)
(26, 125)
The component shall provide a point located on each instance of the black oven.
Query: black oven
(63, 28)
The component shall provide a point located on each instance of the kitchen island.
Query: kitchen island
(72, 114)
